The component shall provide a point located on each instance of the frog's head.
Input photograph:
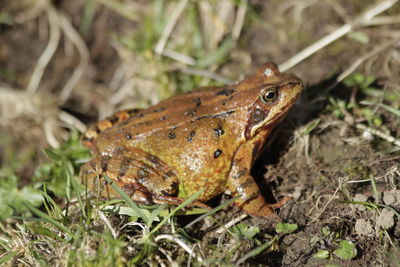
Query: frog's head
(274, 93)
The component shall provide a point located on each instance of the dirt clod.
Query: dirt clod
(363, 227)
(389, 198)
(360, 198)
(385, 220)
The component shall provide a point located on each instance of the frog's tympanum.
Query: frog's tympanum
(206, 139)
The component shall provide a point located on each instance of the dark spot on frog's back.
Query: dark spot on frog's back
(217, 153)
(191, 135)
(171, 135)
(219, 131)
(191, 112)
(226, 91)
(226, 100)
(197, 101)
(113, 119)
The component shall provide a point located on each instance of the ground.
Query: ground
(66, 64)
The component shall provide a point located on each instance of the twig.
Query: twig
(108, 224)
(170, 26)
(383, 20)
(80, 45)
(179, 57)
(48, 127)
(338, 33)
(223, 228)
(72, 121)
(47, 53)
(378, 133)
(327, 204)
(360, 60)
(240, 15)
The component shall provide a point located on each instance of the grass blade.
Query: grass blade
(183, 204)
(256, 251)
(128, 200)
(211, 212)
(47, 218)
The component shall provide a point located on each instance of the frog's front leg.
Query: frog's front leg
(242, 184)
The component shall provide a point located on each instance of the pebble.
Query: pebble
(360, 198)
(385, 220)
(363, 227)
(389, 198)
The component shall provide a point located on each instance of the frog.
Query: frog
(204, 141)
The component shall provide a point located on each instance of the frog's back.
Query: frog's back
(185, 109)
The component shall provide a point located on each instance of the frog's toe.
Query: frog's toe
(280, 203)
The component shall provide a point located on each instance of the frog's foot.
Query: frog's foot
(250, 199)
(255, 205)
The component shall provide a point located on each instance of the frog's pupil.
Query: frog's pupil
(270, 95)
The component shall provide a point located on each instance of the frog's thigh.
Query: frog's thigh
(92, 175)
(142, 176)
(241, 184)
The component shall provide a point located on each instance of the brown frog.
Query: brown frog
(206, 139)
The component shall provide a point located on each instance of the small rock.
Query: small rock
(363, 227)
(389, 198)
(397, 195)
(367, 135)
(360, 198)
(385, 220)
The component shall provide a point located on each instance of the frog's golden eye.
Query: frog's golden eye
(269, 96)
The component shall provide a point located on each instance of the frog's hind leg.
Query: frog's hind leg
(142, 176)
(108, 122)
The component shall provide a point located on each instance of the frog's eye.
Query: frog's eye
(269, 96)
